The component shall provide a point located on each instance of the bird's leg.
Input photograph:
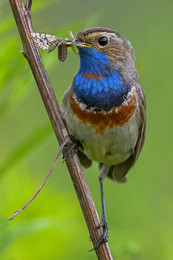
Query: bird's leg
(103, 173)
(103, 222)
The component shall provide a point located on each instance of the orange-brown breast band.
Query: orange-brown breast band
(92, 75)
(116, 116)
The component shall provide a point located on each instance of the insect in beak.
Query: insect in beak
(47, 41)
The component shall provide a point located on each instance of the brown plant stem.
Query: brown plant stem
(23, 20)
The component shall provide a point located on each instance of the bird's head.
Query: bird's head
(103, 50)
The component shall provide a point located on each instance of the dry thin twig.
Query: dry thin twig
(23, 20)
(42, 185)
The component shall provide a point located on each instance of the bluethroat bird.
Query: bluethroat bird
(104, 109)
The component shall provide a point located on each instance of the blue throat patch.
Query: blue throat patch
(95, 84)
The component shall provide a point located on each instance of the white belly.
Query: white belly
(113, 147)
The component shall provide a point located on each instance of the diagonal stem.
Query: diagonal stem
(22, 16)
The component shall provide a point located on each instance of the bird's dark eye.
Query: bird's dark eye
(103, 41)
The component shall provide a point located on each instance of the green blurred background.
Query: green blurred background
(140, 213)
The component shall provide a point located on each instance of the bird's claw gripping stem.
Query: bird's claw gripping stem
(70, 148)
(104, 237)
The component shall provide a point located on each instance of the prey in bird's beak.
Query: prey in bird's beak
(73, 43)
(47, 41)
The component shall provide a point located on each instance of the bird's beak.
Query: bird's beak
(82, 44)
(77, 43)
(74, 41)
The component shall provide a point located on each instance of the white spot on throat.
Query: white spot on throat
(116, 110)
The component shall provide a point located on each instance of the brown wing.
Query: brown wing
(118, 172)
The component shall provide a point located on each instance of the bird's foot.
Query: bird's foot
(70, 148)
(104, 237)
